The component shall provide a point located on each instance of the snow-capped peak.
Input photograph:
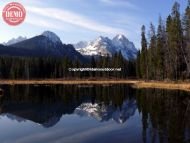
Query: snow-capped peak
(51, 36)
(101, 38)
(104, 46)
(120, 37)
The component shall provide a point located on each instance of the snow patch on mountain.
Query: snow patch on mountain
(103, 46)
(98, 47)
(126, 47)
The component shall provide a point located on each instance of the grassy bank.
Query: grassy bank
(163, 85)
(59, 81)
(134, 83)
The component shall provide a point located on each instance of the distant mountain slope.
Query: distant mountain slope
(47, 44)
(104, 46)
(81, 44)
(14, 40)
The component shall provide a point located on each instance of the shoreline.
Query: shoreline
(185, 86)
(65, 82)
(134, 83)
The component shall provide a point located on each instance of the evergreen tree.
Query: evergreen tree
(186, 40)
(138, 70)
(143, 55)
(161, 50)
(176, 37)
(169, 52)
(152, 52)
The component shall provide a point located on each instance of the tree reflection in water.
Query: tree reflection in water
(165, 114)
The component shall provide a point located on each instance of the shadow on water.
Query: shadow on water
(165, 114)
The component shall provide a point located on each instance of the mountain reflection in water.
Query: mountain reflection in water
(45, 105)
(158, 115)
(105, 113)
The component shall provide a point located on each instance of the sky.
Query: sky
(85, 20)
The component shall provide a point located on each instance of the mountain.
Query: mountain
(14, 40)
(103, 46)
(81, 44)
(127, 48)
(48, 44)
(52, 37)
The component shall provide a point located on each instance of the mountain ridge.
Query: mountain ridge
(47, 44)
(104, 46)
(14, 40)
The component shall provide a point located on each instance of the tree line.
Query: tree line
(49, 67)
(165, 54)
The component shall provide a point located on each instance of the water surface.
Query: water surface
(93, 114)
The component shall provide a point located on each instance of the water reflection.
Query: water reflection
(159, 115)
(165, 115)
(104, 113)
(45, 105)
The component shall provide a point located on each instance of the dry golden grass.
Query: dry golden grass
(163, 85)
(135, 83)
(52, 81)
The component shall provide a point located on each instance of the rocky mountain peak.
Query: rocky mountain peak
(51, 36)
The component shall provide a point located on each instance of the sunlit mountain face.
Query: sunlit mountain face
(104, 46)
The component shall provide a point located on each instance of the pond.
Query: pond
(93, 114)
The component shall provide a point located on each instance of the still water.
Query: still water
(93, 114)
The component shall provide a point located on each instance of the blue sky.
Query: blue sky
(76, 20)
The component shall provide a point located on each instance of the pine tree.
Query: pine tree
(152, 52)
(186, 38)
(143, 55)
(138, 70)
(161, 50)
(169, 52)
(177, 40)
